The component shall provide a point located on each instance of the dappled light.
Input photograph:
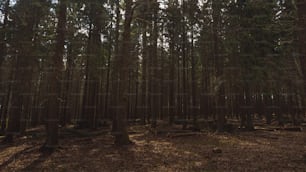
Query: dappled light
(246, 151)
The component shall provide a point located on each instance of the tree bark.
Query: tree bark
(219, 64)
(3, 36)
(154, 69)
(301, 6)
(121, 69)
(55, 80)
(23, 69)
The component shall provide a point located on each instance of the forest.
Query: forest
(152, 85)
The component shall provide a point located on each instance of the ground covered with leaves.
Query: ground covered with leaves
(260, 150)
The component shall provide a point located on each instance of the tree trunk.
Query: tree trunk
(154, 69)
(3, 36)
(193, 83)
(171, 80)
(114, 74)
(301, 6)
(21, 87)
(220, 97)
(55, 80)
(144, 83)
(121, 69)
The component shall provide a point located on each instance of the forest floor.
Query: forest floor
(260, 150)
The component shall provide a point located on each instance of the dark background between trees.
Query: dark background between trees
(88, 64)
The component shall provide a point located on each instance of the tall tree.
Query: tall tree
(154, 8)
(55, 75)
(121, 73)
(301, 6)
(219, 65)
(26, 19)
(4, 99)
(4, 31)
(94, 53)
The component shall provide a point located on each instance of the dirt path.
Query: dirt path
(248, 151)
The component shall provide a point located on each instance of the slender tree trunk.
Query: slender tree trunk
(171, 81)
(106, 102)
(301, 5)
(3, 52)
(162, 73)
(144, 84)
(193, 83)
(21, 87)
(114, 74)
(220, 97)
(55, 80)
(184, 60)
(121, 69)
(154, 83)
(67, 86)
(6, 105)
(3, 35)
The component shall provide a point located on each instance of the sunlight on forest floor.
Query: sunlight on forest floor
(245, 151)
